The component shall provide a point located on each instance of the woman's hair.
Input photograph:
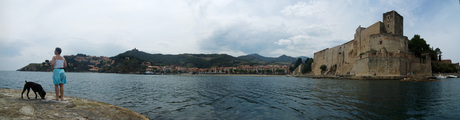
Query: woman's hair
(58, 50)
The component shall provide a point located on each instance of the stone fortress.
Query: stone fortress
(380, 50)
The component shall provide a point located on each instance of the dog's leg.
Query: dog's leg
(35, 95)
(23, 92)
(28, 89)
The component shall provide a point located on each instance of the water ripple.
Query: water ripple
(237, 97)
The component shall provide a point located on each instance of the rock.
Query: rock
(13, 107)
(80, 118)
(71, 106)
(27, 110)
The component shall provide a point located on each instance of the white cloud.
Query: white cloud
(284, 42)
(306, 9)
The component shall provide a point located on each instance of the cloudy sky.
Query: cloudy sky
(31, 29)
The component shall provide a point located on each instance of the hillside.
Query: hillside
(203, 60)
(137, 61)
(261, 59)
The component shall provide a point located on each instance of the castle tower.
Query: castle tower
(393, 23)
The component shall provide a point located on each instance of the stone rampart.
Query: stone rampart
(379, 50)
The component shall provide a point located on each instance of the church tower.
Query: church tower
(393, 23)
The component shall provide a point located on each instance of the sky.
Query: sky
(30, 30)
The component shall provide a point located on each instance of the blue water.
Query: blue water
(242, 97)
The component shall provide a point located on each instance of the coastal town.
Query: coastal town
(240, 69)
(95, 63)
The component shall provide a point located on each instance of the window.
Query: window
(380, 42)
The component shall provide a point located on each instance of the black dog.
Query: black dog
(36, 88)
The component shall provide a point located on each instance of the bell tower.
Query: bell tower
(393, 23)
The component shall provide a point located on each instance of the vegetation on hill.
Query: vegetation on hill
(135, 61)
(205, 60)
(125, 64)
(36, 67)
(261, 59)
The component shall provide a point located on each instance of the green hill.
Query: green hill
(204, 60)
(184, 60)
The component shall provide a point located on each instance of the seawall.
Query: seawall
(12, 106)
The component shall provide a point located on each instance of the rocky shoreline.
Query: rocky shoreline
(12, 106)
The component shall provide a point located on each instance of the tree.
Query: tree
(47, 62)
(297, 63)
(438, 53)
(323, 67)
(440, 67)
(307, 67)
(418, 46)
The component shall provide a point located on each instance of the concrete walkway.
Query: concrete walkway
(12, 106)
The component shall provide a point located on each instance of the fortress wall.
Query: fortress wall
(389, 42)
(389, 58)
(360, 68)
(319, 59)
(337, 56)
(420, 67)
(384, 66)
(364, 36)
(345, 59)
(377, 49)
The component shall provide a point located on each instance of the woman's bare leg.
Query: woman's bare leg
(61, 86)
(56, 91)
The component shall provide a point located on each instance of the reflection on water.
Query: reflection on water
(237, 97)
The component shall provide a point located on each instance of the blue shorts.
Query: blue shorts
(59, 76)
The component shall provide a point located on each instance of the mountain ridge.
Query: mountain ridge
(188, 57)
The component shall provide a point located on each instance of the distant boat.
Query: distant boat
(441, 77)
(451, 76)
(148, 72)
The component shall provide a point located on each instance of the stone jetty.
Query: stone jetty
(12, 106)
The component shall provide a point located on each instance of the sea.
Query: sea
(256, 97)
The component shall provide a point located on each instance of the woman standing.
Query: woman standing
(59, 79)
